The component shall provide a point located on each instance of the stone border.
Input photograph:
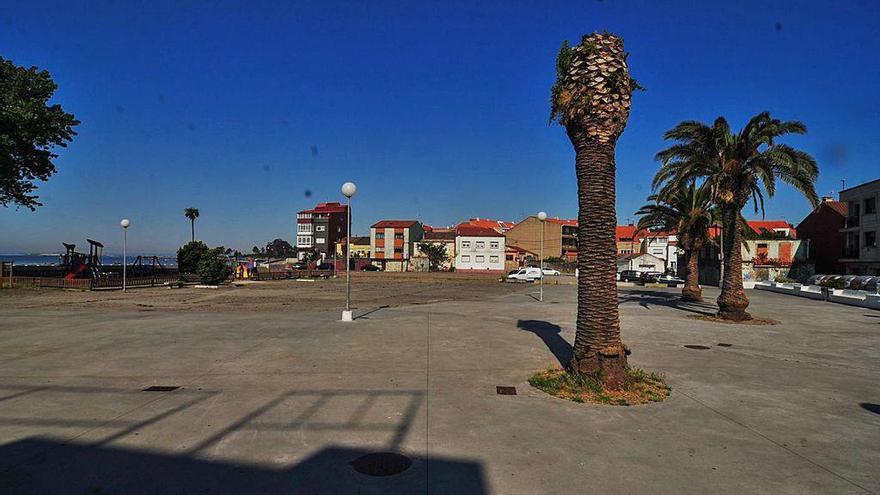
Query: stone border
(861, 298)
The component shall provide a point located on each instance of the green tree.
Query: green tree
(591, 99)
(213, 268)
(689, 213)
(192, 214)
(736, 168)
(279, 248)
(436, 253)
(30, 128)
(189, 255)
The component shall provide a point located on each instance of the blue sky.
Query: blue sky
(439, 111)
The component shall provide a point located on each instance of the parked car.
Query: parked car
(670, 279)
(550, 271)
(325, 266)
(372, 268)
(649, 277)
(529, 273)
(299, 266)
(629, 276)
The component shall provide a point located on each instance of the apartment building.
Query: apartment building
(663, 245)
(479, 249)
(391, 243)
(821, 232)
(560, 237)
(499, 226)
(861, 255)
(627, 239)
(322, 227)
(360, 247)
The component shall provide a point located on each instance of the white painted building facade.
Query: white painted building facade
(479, 249)
(665, 247)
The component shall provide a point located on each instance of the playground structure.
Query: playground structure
(79, 265)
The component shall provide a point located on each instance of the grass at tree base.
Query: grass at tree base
(644, 387)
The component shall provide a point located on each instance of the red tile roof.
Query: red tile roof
(442, 235)
(473, 231)
(327, 208)
(488, 223)
(771, 225)
(838, 206)
(627, 232)
(564, 221)
(394, 224)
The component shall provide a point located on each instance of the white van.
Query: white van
(529, 273)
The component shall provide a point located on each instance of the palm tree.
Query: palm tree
(736, 167)
(591, 98)
(689, 213)
(192, 214)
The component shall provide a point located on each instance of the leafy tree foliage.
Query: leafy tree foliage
(279, 248)
(436, 253)
(189, 255)
(212, 267)
(29, 130)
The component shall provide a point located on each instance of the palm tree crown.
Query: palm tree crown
(739, 166)
(192, 214)
(688, 212)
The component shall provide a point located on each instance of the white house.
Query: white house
(639, 262)
(663, 245)
(479, 249)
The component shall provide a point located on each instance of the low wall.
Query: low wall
(850, 297)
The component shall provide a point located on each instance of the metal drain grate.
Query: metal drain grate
(381, 464)
(505, 390)
(161, 388)
(698, 347)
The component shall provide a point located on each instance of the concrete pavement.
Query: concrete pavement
(283, 402)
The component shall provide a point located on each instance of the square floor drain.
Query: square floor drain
(160, 388)
(505, 390)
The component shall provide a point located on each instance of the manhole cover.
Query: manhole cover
(698, 347)
(505, 390)
(160, 388)
(381, 464)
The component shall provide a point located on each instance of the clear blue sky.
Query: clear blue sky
(438, 112)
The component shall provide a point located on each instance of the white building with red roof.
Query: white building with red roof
(479, 249)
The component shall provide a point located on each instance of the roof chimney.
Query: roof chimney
(826, 199)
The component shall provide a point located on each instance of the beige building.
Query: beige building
(861, 255)
(445, 237)
(560, 237)
(360, 247)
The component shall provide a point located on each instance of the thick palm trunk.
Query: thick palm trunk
(691, 290)
(732, 302)
(598, 350)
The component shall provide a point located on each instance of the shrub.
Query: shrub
(212, 268)
(189, 255)
(834, 284)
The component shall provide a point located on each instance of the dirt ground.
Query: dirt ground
(369, 290)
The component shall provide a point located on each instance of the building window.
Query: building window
(509, 257)
(398, 250)
(870, 205)
(480, 259)
(481, 245)
(320, 228)
(465, 259)
(380, 249)
(398, 236)
(493, 245)
(380, 235)
(493, 259)
(319, 240)
(465, 244)
(870, 239)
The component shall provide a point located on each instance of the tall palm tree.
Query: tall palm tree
(736, 167)
(689, 213)
(192, 214)
(591, 98)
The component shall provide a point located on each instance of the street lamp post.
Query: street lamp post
(124, 223)
(542, 216)
(348, 190)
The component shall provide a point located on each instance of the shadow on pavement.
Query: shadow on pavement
(83, 469)
(45, 464)
(648, 298)
(551, 335)
(868, 406)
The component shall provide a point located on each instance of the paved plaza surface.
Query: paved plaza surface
(283, 401)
